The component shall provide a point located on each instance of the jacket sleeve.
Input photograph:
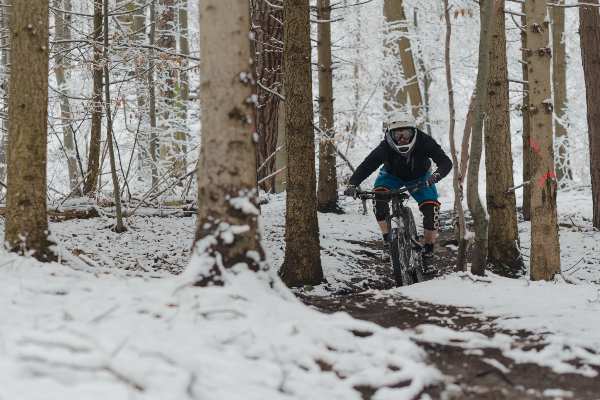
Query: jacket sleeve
(368, 166)
(441, 160)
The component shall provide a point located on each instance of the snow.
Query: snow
(73, 334)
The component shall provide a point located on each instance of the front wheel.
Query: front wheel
(412, 249)
(400, 264)
(407, 262)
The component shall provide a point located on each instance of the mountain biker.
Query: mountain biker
(406, 154)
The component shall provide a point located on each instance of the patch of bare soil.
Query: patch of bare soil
(470, 374)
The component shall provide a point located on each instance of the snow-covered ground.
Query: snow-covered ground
(113, 323)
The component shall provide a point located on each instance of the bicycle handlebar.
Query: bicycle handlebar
(388, 195)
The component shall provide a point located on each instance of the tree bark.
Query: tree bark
(183, 95)
(480, 225)
(61, 72)
(327, 189)
(458, 209)
(394, 14)
(559, 84)
(589, 28)
(93, 167)
(227, 168)
(154, 139)
(281, 156)
(302, 262)
(426, 74)
(4, 81)
(526, 128)
(504, 256)
(545, 249)
(166, 78)
(267, 22)
(26, 220)
(119, 227)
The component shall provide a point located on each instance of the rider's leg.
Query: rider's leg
(430, 210)
(382, 211)
(384, 182)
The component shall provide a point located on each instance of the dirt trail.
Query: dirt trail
(471, 374)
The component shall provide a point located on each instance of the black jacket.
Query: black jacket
(406, 168)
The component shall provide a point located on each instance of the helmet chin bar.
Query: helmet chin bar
(403, 149)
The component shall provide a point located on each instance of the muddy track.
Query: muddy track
(482, 373)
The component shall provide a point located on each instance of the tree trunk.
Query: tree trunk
(503, 237)
(268, 37)
(281, 156)
(119, 227)
(480, 225)
(559, 84)
(545, 250)
(302, 263)
(526, 127)
(458, 209)
(154, 139)
(589, 28)
(393, 11)
(93, 167)
(141, 63)
(4, 79)
(26, 220)
(61, 71)
(166, 82)
(468, 130)
(327, 190)
(227, 168)
(426, 74)
(183, 96)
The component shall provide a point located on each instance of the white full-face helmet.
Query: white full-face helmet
(404, 126)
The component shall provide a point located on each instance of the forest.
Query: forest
(186, 186)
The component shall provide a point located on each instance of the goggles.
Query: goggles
(402, 134)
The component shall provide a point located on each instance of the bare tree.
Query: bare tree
(302, 263)
(327, 190)
(394, 14)
(458, 208)
(183, 95)
(4, 77)
(589, 28)
(559, 86)
(120, 226)
(480, 225)
(545, 249)
(267, 24)
(166, 78)
(227, 168)
(61, 72)
(526, 134)
(503, 237)
(154, 140)
(26, 219)
(93, 167)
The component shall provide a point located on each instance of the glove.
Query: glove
(433, 179)
(351, 191)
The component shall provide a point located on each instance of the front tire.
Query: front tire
(400, 263)
(412, 249)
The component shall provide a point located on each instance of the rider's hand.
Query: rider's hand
(433, 179)
(351, 191)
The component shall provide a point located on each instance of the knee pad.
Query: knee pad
(381, 208)
(431, 215)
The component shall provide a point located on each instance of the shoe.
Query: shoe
(385, 248)
(427, 252)
(427, 256)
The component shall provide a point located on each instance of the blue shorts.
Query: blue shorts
(422, 196)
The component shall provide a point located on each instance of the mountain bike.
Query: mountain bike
(405, 249)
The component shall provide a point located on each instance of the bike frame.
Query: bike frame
(405, 249)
